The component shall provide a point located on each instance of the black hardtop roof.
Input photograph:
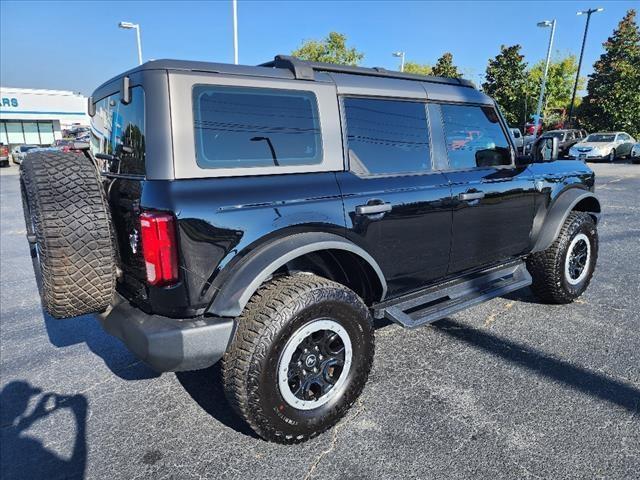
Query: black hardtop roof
(283, 66)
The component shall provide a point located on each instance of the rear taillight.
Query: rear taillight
(157, 232)
(4, 151)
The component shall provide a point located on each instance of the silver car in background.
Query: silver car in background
(603, 146)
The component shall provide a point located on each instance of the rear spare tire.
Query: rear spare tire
(70, 232)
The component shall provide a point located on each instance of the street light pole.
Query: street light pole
(584, 41)
(551, 24)
(136, 27)
(401, 55)
(235, 31)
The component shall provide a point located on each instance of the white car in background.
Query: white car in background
(603, 146)
(20, 151)
(635, 153)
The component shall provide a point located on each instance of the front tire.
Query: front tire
(562, 272)
(300, 357)
(612, 156)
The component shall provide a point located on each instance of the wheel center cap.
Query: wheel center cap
(310, 361)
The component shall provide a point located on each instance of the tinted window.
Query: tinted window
(386, 136)
(474, 137)
(118, 129)
(255, 127)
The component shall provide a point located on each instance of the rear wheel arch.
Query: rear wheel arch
(324, 254)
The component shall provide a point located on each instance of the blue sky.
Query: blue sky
(76, 45)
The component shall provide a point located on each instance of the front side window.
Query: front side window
(387, 136)
(474, 137)
(239, 127)
(118, 129)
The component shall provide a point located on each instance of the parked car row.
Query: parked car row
(577, 144)
(20, 151)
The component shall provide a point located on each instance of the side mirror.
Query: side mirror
(545, 150)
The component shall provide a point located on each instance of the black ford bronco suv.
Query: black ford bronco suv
(264, 216)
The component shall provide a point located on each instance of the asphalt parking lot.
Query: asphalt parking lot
(509, 389)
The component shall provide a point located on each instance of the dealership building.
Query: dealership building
(39, 116)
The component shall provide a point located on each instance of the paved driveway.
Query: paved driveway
(508, 389)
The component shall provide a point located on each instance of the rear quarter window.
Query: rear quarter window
(238, 127)
(118, 129)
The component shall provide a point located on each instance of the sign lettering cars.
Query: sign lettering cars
(9, 102)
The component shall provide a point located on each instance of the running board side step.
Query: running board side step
(440, 302)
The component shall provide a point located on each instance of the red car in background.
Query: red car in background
(4, 155)
(67, 145)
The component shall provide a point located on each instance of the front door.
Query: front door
(493, 199)
(397, 206)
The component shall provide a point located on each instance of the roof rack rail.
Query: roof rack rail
(303, 70)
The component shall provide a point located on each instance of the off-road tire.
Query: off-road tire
(547, 268)
(71, 235)
(249, 367)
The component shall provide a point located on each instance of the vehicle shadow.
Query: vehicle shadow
(87, 329)
(205, 387)
(524, 295)
(24, 456)
(575, 377)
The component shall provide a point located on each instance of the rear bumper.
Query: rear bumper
(169, 344)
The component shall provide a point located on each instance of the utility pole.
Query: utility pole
(551, 24)
(401, 56)
(584, 41)
(235, 31)
(136, 27)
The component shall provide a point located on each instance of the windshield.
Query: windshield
(27, 148)
(558, 135)
(600, 137)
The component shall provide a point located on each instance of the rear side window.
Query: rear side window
(474, 137)
(386, 136)
(118, 129)
(255, 127)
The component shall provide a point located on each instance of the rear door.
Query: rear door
(493, 200)
(397, 205)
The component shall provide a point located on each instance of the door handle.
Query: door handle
(373, 209)
(471, 195)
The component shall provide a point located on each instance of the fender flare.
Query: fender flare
(559, 212)
(249, 273)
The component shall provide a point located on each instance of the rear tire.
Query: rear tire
(286, 392)
(70, 232)
(562, 272)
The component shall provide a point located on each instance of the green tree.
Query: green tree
(444, 67)
(559, 87)
(420, 68)
(332, 49)
(506, 82)
(613, 90)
